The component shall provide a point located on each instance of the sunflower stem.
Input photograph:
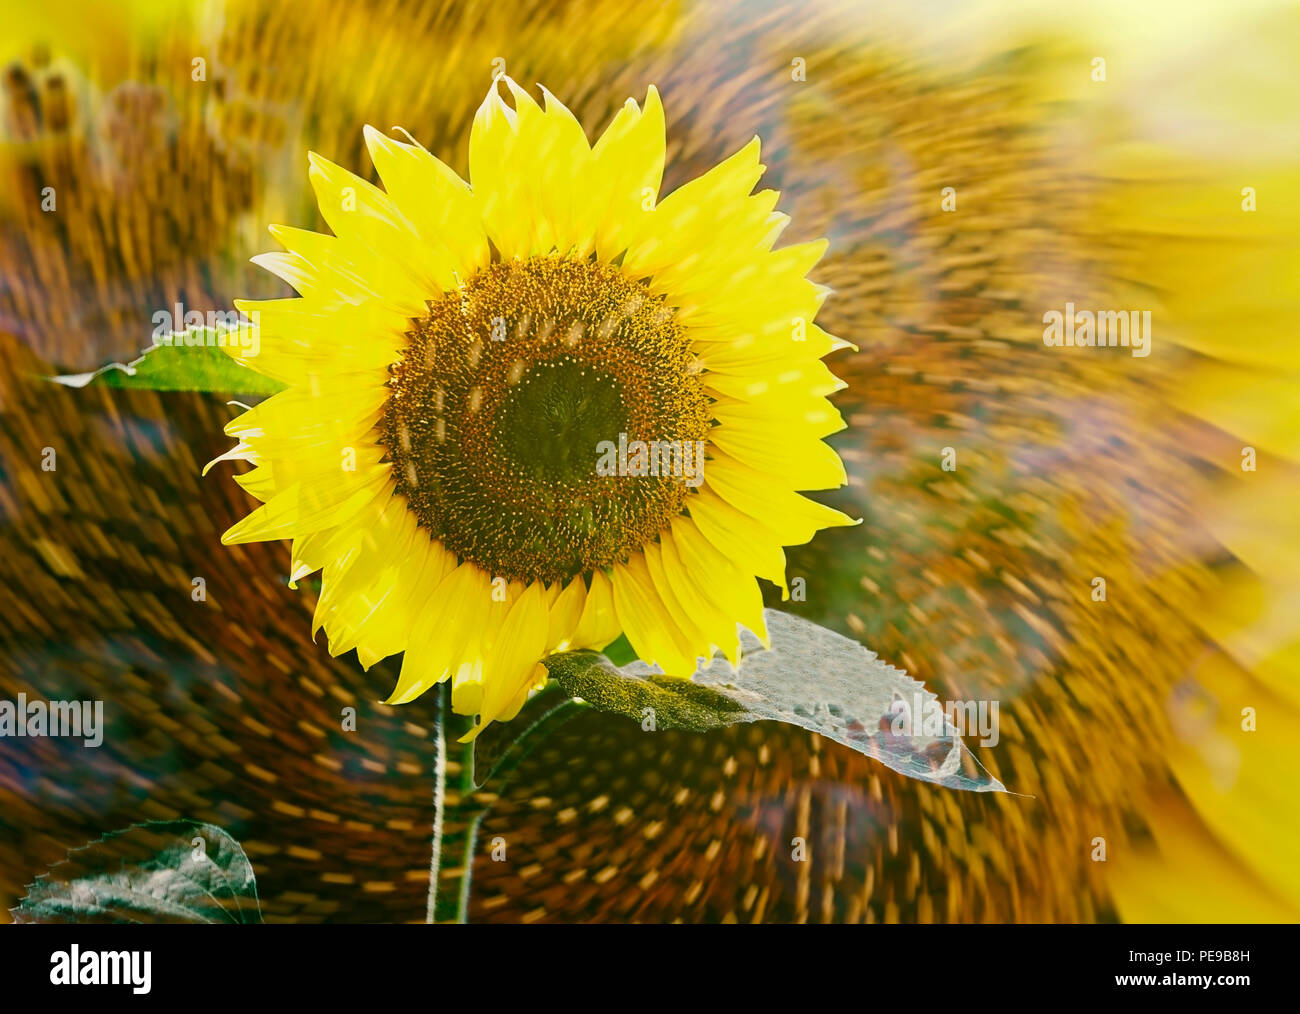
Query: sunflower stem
(467, 866)
(439, 802)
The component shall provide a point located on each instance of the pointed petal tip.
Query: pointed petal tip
(396, 699)
(279, 231)
(473, 733)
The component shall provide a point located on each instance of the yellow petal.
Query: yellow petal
(795, 518)
(627, 170)
(646, 621)
(599, 623)
(683, 611)
(300, 511)
(447, 632)
(439, 205)
(797, 384)
(799, 461)
(710, 217)
(403, 270)
(515, 651)
(550, 154)
(693, 591)
(566, 611)
(736, 593)
(499, 190)
(744, 539)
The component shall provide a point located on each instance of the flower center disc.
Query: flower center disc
(501, 403)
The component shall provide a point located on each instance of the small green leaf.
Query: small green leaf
(811, 677)
(162, 871)
(193, 360)
(620, 651)
(502, 746)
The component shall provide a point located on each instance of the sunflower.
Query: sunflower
(530, 412)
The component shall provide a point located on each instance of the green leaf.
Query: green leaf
(502, 746)
(193, 360)
(620, 651)
(811, 677)
(162, 871)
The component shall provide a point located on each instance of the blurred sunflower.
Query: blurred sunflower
(477, 377)
(1123, 718)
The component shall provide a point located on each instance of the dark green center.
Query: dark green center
(550, 424)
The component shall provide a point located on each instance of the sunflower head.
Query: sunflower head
(530, 412)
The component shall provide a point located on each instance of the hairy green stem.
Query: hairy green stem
(467, 865)
(439, 802)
